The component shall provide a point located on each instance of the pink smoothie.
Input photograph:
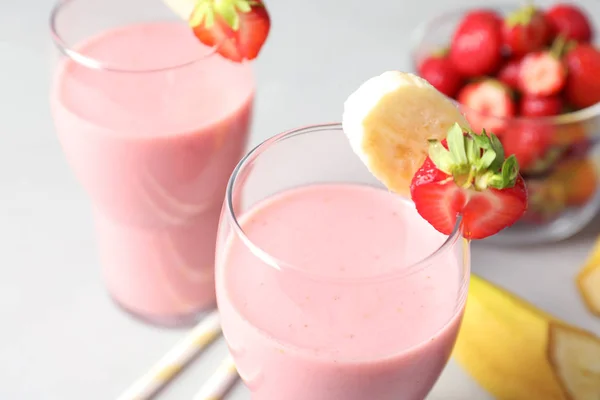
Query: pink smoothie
(154, 150)
(352, 321)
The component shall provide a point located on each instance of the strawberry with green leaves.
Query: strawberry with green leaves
(467, 176)
(525, 30)
(236, 28)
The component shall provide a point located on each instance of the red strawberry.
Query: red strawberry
(528, 141)
(509, 73)
(489, 104)
(470, 179)
(440, 72)
(570, 21)
(476, 47)
(542, 74)
(485, 14)
(237, 28)
(535, 106)
(525, 30)
(583, 82)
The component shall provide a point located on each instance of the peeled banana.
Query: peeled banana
(518, 352)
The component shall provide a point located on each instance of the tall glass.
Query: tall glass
(152, 123)
(330, 287)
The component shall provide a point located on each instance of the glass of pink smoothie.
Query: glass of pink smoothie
(152, 123)
(329, 286)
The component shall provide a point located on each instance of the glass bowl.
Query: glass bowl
(564, 181)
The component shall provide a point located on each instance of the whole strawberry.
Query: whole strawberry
(583, 82)
(236, 28)
(528, 141)
(509, 73)
(484, 13)
(570, 21)
(525, 30)
(467, 180)
(476, 46)
(439, 71)
(537, 106)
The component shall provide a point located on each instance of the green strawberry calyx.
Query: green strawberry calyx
(521, 16)
(474, 160)
(229, 10)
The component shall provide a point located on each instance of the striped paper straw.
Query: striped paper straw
(220, 382)
(175, 360)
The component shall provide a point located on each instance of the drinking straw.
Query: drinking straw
(220, 382)
(175, 360)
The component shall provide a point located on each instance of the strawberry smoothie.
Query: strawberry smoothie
(153, 139)
(351, 314)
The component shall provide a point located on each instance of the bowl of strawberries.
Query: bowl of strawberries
(530, 75)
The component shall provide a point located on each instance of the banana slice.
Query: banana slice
(183, 8)
(588, 281)
(575, 358)
(388, 121)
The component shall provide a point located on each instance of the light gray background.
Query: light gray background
(60, 336)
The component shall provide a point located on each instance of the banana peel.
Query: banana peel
(588, 280)
(518, 352)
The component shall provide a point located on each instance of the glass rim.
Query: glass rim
(416, 38)
(93, 63)
(233, 220)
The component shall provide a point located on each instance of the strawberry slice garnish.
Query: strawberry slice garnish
(468, 179)
(525, 30)
(236, 28)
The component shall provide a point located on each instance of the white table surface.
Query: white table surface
(60, 336)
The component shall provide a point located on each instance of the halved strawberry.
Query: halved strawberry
(570, 21)
(542, 74)
(236, 28)
(439, 71)
(468, 178)
(489, 103)
(525, 30)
